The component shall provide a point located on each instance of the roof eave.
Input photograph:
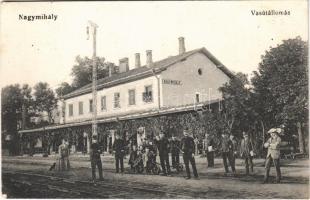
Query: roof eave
(218, 63)
(115, 82)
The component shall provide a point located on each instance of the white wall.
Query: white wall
(191, 82)
(109, 93)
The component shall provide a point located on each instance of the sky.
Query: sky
(45, 50)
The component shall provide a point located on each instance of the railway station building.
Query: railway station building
(162, 95)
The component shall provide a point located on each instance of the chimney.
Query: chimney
(149, 60)
(123, 65)
(181, 45)
(137, 60)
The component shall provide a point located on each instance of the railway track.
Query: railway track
(33, 185)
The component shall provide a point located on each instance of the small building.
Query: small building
(139, 103)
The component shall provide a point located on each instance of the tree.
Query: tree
(82, 74)
(64, 89)
(27, 105)
(45, 100)
(82, 71)
(281, 86)
(11, 101)
(237, 112)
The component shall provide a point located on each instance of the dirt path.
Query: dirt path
(212, 183)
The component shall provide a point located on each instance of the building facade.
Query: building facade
(137, 103)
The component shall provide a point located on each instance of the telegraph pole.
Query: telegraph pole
(94, 27)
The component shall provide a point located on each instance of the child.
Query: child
(133, 157)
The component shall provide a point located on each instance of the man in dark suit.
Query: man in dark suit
(246, 147)
(225, 149)
(163, 154)
(119, 149)
(232, 152)
(95, 159)
(188, 148)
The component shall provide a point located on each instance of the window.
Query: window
(116, 100)
(80, 108)
(147, 94)
(200, 71)
(90, 105)
(132, 97)
(70, 110)
(103, 103)
(197, 98)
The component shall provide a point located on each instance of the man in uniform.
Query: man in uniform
(163, 154)
(95, 159)
(208, 147)
(246, 147)
(273, 145)
(175, 146)
(188, 148)
(119, 149)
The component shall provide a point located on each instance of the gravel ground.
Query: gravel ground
(212, 182)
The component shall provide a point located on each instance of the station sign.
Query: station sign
(171, 82)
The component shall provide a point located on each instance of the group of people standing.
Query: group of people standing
(160, 144)
(186, 146)
(229, 149)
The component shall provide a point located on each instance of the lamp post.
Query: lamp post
(93, 28)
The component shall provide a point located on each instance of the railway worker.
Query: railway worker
(273, 145)
(63, 151)
(224, 147)
(188, 150)
(95, 159)
(119, 150)
(163, 154)
(246, 152)
(175, 149)
(208, 147)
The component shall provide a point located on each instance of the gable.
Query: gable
(197, 74)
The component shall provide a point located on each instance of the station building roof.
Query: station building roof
(146, 71)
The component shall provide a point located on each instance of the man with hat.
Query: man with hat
(273, 145)
(225, 149)
(232, 152)
(163, 154)
(246, 152)
(95, 159)
(188, 148)
(119, 149)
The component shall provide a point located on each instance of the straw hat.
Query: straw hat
(275, 130)
(272, 130)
